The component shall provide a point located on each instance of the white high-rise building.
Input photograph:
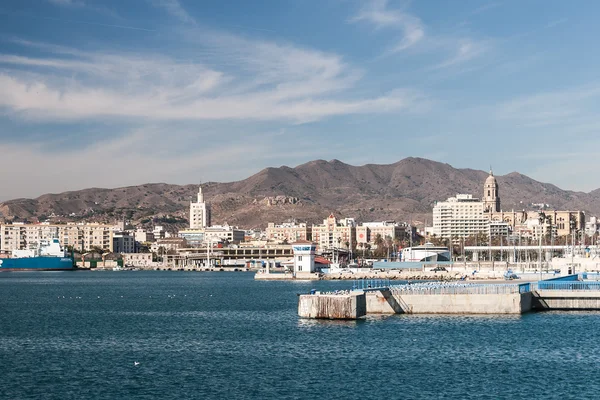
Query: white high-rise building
(459, 216)
(199, 212)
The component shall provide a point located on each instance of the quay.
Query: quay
(572, 292)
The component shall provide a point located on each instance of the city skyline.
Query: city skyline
(104, 94)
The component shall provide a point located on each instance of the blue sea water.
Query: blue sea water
(78, 335)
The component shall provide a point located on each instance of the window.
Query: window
(299, 258)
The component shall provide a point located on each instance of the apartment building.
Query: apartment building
(290, 232)
(80, 236)
(334, 234)
(459, 216)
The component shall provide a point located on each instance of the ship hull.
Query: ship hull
(36, 264)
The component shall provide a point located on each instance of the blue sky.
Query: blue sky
(113, 93)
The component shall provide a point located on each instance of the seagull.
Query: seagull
(136, 363)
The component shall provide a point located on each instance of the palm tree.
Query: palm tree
(396, 243)
(388, 245)
(379, 243)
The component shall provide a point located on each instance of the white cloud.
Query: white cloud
(573, 107)
(148, 154)
(377, 14)
(67, 2)
(271, 82)
(456, 50)
(461, 51)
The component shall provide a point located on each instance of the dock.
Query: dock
(573, 292)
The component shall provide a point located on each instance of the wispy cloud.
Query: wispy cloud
(67, 2)
(270, 82)
(572, 107)
(379, 15)
(456, 50)
(460, 51)
(174, 8)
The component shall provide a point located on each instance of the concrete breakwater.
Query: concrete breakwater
(465, 299)
(351, 305)
(571, 292)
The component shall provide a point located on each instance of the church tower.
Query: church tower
(199, 212)
(491, 195)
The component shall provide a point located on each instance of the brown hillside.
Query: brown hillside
(405, 190)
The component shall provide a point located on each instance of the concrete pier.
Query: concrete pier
(572, 292)
(332, 306)
(385, 302)
(566, 300)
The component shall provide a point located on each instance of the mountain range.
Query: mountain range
(404, 191)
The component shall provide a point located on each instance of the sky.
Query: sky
(112, 93)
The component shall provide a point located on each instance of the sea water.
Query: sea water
(186, 335)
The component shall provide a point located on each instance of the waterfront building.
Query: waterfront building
(199, 212)
(334, 234)
(289, 232)
(213, 234)
(304, 257)
(225, 233)
(559, 223)
(367, 232)
(459, 217)
(169, 244)
(81, 237)
(137, 259)
(464, 216)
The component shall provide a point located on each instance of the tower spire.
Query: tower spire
(200, 195)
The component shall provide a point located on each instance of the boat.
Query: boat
(47, 256)
(426, 252)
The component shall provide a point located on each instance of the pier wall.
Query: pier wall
(567, 300)
(514, 303)
(347, 306)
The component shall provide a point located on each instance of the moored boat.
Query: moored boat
(48, 256)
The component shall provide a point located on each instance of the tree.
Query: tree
(388, 245)
(379, 243)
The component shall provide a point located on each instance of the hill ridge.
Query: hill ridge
(399, 191)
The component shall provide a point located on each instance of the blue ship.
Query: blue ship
(49, 256)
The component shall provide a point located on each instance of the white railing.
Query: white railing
(459, 288)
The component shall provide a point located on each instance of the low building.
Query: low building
(213, 234)
(499, 229)
(169, 244)
(367, 232)
(137, 259)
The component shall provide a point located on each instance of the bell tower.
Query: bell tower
(491, 195)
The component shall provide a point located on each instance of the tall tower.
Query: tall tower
(491, 195)
(199, 212)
